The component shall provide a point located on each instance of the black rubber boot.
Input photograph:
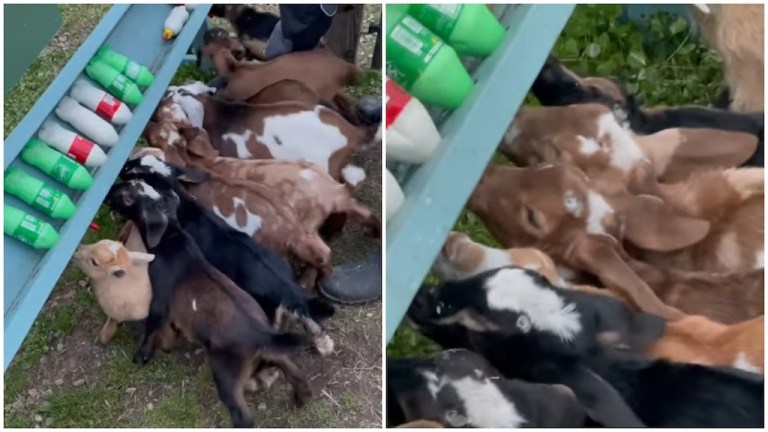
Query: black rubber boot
(353, 283)
(369, 110)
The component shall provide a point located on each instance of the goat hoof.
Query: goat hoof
(302, 395)
(140, 359)
(324, 345)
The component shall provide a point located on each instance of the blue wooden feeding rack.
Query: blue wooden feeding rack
(132, 30)
(436, 191)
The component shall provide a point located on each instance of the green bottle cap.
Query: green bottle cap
(137, 73)
(117, 84)
(28, 229)
(458, 25)
(59, 166)
(423, 64)
(38, 194)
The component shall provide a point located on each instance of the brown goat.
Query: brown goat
(738, 298)
(590, 137)
(285, 130)
(736, 32)
(281, 204)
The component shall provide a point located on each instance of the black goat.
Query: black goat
(460, 388)
(536, 332)
(191, 297)
(263, 274)
(557, 85)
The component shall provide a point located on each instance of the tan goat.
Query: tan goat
(120, 281)
(281, 204)
(590, 137)
(736, 32)
(692, 339)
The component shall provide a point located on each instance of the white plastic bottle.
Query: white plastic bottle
(411, 134)
(73, 145)
(395, 195)
(101, 102)
(175, 22)
(87, 122)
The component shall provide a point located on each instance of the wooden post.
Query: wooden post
(376, 60)
(344, 35)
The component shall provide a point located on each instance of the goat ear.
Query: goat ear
(677, 153)
(116, 271)
(191, 175)
(652, 225)
(603, 402)
(601, 256)
(154, 224)
(199, 143)
(140, 257)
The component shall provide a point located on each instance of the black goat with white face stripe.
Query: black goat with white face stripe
(531, 330)
(459, 388)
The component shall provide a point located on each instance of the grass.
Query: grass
(114, 392)
(659, 59)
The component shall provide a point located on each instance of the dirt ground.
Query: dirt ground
(62, 377)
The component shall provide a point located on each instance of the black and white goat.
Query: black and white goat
(263, 274)
(531, 330)
(191, 297)
(459, 388)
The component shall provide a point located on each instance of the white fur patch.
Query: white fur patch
(352, 174)
(324, 344)
(147, 190)
(194, 305)
(514, 290)
(485, 405)
(377, 137)
(598, 210)
(588, 145)
(252, 223)
(759, 260)
(155, 165)
(240, 140)
(302, 136)
(625, 153)
(307, 174)
(114, 246)
(572, 203)
(742, 363)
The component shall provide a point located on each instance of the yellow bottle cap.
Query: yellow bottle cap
(167, 34)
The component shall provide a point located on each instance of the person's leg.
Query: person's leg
(277, 44)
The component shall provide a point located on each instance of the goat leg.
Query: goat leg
(365, 216)
(302, 392)
(155, 321)
(308, 278)
(231, 373)
(108, 331)
(320, 338)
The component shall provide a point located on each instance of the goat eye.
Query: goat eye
(524, 323)
(93, 261)
(531, 217)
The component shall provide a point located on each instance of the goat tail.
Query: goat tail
(319, 309)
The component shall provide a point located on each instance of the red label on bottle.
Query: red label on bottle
(397, 99)
(108, 106)
(80, 149)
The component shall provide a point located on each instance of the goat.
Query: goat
(120, 282)
(557, 209)
(736, 32)
(193, 298)
(536, 332)
(590, 137)
(692, 339)
(286, 130)
(280, 204)
(460, 389)
(556, 85)
(261, 273)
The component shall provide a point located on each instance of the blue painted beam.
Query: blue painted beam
(30, 275)
(437, 191)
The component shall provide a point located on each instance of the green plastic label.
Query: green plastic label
(63, 170)
(440, 18)
(119, 86)
(132, 70)
(47, 198)
(410, 49)
(29, 229)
